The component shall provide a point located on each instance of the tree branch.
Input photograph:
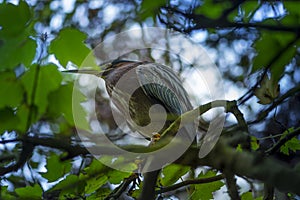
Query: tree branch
(249, 94)
(117, 192)
(263, 114)
(26, 152)
(189, 182)
(202, 22)
(231, 184)
(250, 164)
(282, 141)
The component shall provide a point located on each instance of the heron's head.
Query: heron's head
(107, 68)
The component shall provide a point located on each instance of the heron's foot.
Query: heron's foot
(155, 137)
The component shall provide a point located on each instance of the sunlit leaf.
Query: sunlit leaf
(60, 102)
(22, 115)
(150, 8)
(8, 120)
(17, 50)
(70, 185)
(293, 13)
(16, 46)
(56, 168)
(11, 89)
(249, 196)
(239, 148)
(101, 193)
(205, 191)
(30, 192)
(96, 167)
(5, 194)
(14, 18)
(275, 52)
(245, 12)
(248, 7)
(173, 173)
(292, 7)
(212, 9)
(291, 145)
(94, 182)
(42, 80)
(69, 46)
(254, 143)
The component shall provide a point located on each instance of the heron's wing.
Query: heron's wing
(161, 83)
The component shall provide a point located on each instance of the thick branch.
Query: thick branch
(250, 164)
(231, 185)
(26, 152)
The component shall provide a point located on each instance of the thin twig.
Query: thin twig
(117, 192)
(246, 97)
(190, 182)
(263, 114)
(282, 141)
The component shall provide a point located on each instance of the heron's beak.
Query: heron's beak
(86, 71)
(104, 67)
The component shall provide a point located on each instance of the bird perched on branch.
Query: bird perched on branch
(150, 96)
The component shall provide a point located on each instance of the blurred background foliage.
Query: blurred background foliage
(255, 45)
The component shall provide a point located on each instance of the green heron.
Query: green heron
(135, 87)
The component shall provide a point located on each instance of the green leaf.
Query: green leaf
(291, 145)
(14, 18)
(268, 90)
(293, 13)
(116, 176)
(11, 89)
(94, 182)
(17, 50)
(205, 191)
(150, 8)
(22, 115)
(101, 193)
(70, 185)
(249, 196)
(292, 7)
(79, 112)
(56, 168)
(244, 12)
(248, 7)
(48, 80)
(239, 148)
(8, 120)
(270, 53)
(60, 102)
(96, 167)
(254, 143)
(16, 46)
(30, 192)
(212, 9)
(4, 194)
(14, 119)
(173, 173)
(28, 80)
(69, 46)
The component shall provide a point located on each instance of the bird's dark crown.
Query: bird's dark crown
(118, 61)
